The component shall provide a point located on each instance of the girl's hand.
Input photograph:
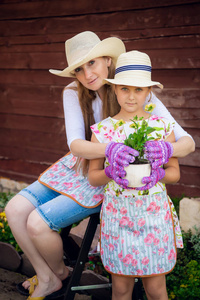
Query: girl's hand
(119, 156)
(156, 175)
(117, 176)
(158, 152)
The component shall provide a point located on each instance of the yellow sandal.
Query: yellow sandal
(33, 283)
(26, 292)
(35, 298)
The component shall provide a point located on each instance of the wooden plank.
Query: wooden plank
(34, 108)
(192, 159)
(161, 59)
(172, 43)
(170, 78)
(55, 109)
(31, 123)
(190, 175)
(177, 98)
(180, 190)
(26, 169)
(37, 140)
(42, 156)
(39, 9)
(37, 93)
(132, 19)
(185, 113)
(182, 34)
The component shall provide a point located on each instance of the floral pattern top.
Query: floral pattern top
(111, 129)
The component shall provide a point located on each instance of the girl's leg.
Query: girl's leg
(155, 287)
(122, 287)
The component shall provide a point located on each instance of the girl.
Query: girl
(86, 101)
(137, 231)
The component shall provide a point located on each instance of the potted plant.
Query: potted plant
(140, 167)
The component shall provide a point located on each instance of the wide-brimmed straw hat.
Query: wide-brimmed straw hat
(133, 69)
(86, 46)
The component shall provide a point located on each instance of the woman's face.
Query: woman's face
(92, 73)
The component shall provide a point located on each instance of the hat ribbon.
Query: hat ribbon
(133, 68)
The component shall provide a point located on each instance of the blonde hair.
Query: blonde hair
(110, 108)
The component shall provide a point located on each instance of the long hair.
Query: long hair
(110, 108)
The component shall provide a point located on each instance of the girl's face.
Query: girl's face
(92, 73)
(131, 98)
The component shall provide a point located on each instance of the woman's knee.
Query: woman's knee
(18, 206)
(36, 225)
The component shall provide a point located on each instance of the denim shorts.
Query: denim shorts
(57, 210)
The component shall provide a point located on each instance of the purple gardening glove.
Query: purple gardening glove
(117, 176)
(158, 152)
(119, 156)
(156, 175)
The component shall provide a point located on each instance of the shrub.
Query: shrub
(183, 282)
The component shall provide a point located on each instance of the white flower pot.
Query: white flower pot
(135, 173)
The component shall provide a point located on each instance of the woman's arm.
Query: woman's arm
(96, 173)
(75, 128)
(172, 171)
(87, 149)
(184, 144)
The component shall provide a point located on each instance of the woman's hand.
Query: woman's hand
(158, 152)
(119, 156)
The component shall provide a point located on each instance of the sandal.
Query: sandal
(26, 292)
(35, 298)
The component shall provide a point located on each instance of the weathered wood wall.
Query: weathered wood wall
(32, 35)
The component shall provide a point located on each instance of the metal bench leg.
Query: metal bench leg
(82, 257)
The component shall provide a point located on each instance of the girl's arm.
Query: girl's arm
(183, 144)
(96, 173)
(172, 171)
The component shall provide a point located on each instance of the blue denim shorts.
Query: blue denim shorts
(57, 210)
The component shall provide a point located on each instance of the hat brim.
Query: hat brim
(111, 47)
(133, 82)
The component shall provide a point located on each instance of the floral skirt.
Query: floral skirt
(137, 235)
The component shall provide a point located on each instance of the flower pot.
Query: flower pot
(135, 173)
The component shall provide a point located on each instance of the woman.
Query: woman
(39, 206)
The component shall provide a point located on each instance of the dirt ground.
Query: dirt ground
(8, 291)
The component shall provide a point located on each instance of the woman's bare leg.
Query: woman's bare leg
(122, 287)
(18, 212)
(155, 287)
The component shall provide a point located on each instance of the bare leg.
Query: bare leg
(155, 288)
(17, 211)
(48, 243)
(122, 287)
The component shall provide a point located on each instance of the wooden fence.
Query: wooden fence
(32, 36)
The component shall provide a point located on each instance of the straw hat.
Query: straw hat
(86, 46)
(134, 69)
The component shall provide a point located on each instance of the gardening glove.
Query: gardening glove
(156, 175)
(158, 152)
(117, 176)
(119, 156)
